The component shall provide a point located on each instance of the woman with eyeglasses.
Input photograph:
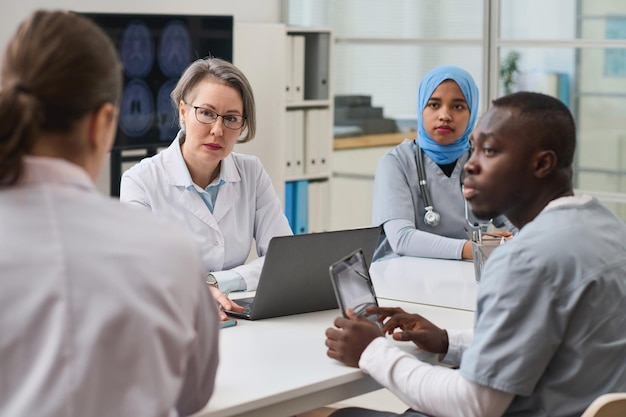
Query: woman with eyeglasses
(225, 199)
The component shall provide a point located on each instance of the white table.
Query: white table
(278, 367)
(437, 282)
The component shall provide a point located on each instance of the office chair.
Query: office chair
(607, 405)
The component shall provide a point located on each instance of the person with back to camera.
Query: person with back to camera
(417, 185)
(104, 310)
(225, 199)
(550, 328)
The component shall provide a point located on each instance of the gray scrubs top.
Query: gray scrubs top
(397, 196)
(551, 313)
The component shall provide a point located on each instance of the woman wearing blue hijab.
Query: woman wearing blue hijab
(428, 219)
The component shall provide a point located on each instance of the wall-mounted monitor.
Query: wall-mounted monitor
(155, 50)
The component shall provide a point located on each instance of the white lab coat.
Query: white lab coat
(104, 311)
(247, 208)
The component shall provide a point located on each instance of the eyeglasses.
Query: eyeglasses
(208, 117)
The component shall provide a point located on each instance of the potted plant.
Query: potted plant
(509, 70)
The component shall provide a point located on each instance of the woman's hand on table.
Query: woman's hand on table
(224, 302)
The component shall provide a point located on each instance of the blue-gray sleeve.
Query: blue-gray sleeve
(406, 240)
(392, 192)
(394, 207)
(516, 327)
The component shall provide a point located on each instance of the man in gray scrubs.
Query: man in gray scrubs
(550, 329)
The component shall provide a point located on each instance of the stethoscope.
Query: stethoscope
(431, 216)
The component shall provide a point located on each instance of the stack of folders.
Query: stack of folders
(306, 205)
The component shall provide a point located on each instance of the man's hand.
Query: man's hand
(413, 328)
(224, 302)
(351, 336)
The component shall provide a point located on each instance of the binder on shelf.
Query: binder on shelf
(297, 142)
(319, 207)
(297, 205)
(317, 141)
(294, 143)
(324, 140)
(301, 207)
(289, 204)
(297, 67)
(289, 152)
(317, 66)
(311, 127)
(288, 69)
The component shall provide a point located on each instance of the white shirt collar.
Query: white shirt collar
(228, 170)
(48, 170)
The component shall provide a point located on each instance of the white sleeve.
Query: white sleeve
(250, 272)
(434, 390)
(201, 368)
(269, 217)
(132, 191)
(405, 239)
(458, 341)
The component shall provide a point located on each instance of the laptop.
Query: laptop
(294, 278)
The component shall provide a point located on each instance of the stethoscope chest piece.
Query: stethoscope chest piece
(431, 217)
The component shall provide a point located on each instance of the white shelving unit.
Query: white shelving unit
(289, 69)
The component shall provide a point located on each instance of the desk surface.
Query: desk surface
(278, 367)
(437, 282)
(365, 141)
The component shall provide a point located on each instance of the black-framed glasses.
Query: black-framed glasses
(208, 117)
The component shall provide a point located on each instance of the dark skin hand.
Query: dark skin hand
(352, 335)
(413, 328)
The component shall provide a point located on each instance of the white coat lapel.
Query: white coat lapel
(178, 176)
(227, 198)
(191, 201)
(229, 194)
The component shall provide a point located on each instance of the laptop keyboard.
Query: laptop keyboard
(246, 303)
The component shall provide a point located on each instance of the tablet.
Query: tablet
(353, 285)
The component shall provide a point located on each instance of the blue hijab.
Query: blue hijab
(446, 154)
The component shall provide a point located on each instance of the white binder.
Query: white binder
(298, 142)
(316, 140)
(297, 67)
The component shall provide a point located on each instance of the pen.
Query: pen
(226, 295)
(362, 275)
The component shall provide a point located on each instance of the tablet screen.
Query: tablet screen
(352, 284)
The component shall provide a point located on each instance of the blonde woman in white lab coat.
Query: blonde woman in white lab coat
(104, 310)
(225, 199)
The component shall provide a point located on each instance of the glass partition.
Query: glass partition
(573, 50)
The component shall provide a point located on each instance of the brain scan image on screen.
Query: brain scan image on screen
(167, 117)
(137, 108)
(155, 49)
(137, 50)
(174, 50)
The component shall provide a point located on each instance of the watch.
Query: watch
(211, 280)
